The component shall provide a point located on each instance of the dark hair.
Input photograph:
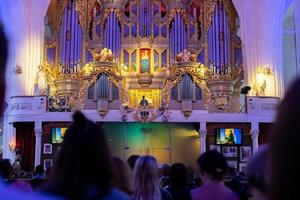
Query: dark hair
(39, 169)
(3, 61)
(3, 51)
(178, 175)
(131, 160)
(284, 147)
(257, 170)
(165, 169)
(84, 162)
(5, 169)
(214, 164)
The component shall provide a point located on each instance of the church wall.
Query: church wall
(168, 142)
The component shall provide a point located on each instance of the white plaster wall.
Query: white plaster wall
(261, 34)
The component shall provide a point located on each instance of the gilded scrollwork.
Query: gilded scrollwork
(210, 7)
(198, 72)
(80, 8)
(229, 7)
(90, 73)
(232, 75)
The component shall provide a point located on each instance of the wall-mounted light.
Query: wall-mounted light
(17, 69)
(11, 146)
(261, 83)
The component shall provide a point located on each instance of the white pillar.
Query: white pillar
(254, 136)
(38, 146)
(202, 133)
(38, 142)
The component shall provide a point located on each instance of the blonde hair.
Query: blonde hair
(145, 179)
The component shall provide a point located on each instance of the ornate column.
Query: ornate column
(254, 136)
(202, 134)
(38, 146)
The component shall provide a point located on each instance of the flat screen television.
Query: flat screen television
(57, 135)
(228, 136)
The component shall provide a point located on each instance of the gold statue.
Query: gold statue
(187, 56)
(87, 69)
(105, 55)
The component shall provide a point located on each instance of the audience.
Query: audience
(285, 148)
(145, 180)
(83, 169)
(121, 176)
(213, 168)
(38, 172)
(6, 172)
(38, 179)
(257, 174)
(178, 182)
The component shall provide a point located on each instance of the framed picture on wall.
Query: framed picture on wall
(245, 153)
(47, 148)
(215, 148)
(229, 151)
(232, 163)
(243, 167)
(48, 163)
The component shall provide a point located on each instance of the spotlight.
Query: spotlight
(245, 90)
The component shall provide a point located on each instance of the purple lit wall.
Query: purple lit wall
(112, 35)
(70, 49)
(178, 38)
(219, 39)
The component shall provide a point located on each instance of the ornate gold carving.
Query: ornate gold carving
(232, 14)
(61, 4)
(233, 74)
(145, 79)
(209, 7)
(105, 55)
(198, 73)
(144, 115)
(187, 56)
(80, 8)
(90, 73)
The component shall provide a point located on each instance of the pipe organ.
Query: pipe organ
(162, 51)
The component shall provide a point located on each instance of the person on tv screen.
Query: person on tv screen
(230, 138)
